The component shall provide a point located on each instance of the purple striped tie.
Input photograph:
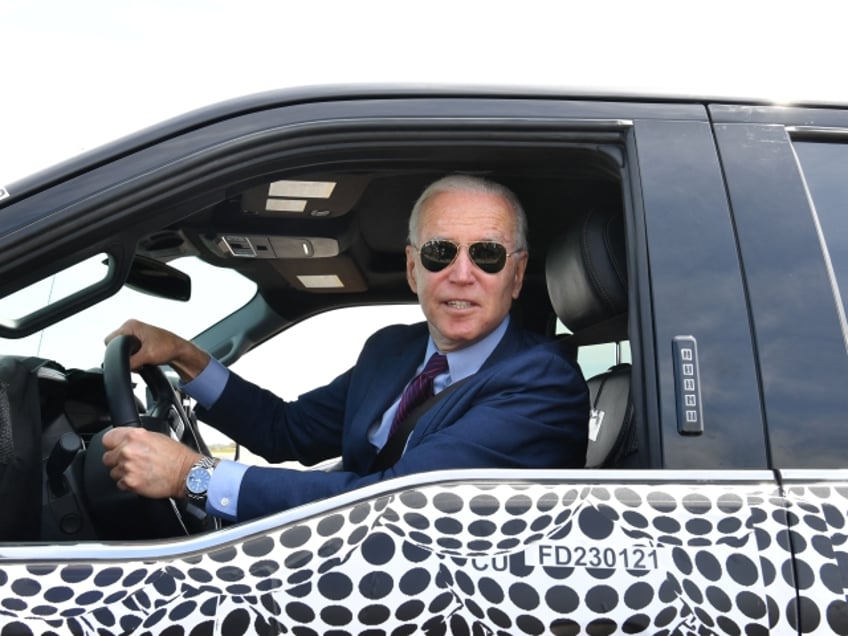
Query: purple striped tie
(419, 389)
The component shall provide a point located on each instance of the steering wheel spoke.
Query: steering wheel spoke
(119, 512)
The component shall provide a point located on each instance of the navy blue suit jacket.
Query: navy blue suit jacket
(527, 407)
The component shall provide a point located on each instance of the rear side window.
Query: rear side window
(825, 170)
(598, 358)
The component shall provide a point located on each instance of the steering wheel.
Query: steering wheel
(121, 514)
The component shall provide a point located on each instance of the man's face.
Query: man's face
(462, 303)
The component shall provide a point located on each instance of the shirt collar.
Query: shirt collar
(463, 362)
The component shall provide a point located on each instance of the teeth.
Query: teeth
(459, 304)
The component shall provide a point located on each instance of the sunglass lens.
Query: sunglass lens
(436, 255)
(488, 256)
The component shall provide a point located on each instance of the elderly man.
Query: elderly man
(512, 399)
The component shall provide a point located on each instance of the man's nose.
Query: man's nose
(462, 268)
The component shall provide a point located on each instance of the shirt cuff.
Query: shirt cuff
(207, 387)
(223, 490)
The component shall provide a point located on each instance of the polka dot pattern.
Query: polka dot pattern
(817, 516)
(483, 557)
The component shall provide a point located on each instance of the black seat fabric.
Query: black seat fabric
(586, 276)
(20, 450)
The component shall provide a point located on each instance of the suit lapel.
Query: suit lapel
(387, 375)
(396, 368)
(511, 343)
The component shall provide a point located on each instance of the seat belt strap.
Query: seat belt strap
(395, 445)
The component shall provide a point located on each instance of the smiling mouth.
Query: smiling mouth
(459, 304)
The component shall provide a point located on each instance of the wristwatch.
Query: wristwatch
(197, 480)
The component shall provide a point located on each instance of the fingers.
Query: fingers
(118, 455)
(147, 463)
(129, 328)
(140, 331)
(159, 346)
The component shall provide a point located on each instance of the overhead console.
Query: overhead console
(258, 246)
(305, 198)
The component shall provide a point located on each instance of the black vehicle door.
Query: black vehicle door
(787, 177)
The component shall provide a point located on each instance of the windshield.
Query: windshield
(77, 342)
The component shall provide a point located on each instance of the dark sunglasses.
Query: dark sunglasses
(487, 255)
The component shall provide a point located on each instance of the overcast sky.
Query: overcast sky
(78, 73)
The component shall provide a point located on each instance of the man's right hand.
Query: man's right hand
(147, 463)
(159, 346)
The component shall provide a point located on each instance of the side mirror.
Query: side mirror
(149, 276)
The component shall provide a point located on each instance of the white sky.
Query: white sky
(76, 74)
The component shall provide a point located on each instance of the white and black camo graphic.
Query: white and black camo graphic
(478, 558)
(817, 519)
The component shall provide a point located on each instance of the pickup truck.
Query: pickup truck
(692, 252)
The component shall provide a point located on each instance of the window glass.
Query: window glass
(54, 288)
(595, 359)
(825, 168)
(311, 354)
(598, 358)
(77, 342)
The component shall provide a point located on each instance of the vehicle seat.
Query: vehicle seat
(586, 275)
(20, 450)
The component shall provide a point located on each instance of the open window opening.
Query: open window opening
(343, 246)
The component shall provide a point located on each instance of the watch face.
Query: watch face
(197, 481)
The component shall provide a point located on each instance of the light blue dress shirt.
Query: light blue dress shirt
(207, 387)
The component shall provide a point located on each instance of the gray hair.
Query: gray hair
(468, 183)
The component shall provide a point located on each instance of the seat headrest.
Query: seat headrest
(586, 272)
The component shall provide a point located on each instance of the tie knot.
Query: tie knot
(436, 365)
(419, 388)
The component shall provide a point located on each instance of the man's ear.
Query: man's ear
(410, 269)
(518, 278)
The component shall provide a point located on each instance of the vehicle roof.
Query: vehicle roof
(255, 102)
